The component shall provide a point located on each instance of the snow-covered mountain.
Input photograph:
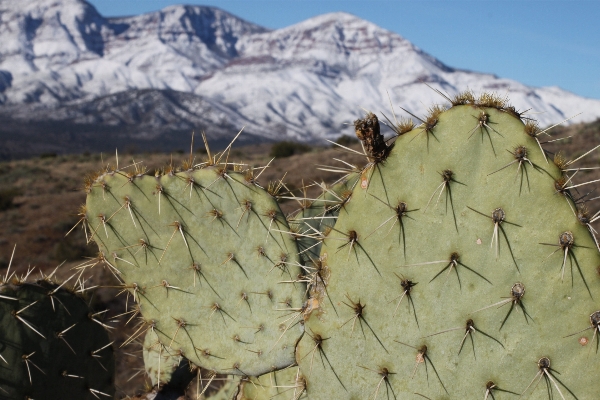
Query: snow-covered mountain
(187, 68)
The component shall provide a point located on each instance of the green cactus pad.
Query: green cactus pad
(458, 271)
(320, 215)
(51, 345)
(286, 383)
(203, 253)
(228, 390)
(163, 366)
(173, 374)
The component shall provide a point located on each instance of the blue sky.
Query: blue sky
(539, 43)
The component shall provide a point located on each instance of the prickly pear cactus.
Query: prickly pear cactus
(51, 345)
(173, 374)
(204, 251)
(463, 268)
(227, 389)
(318, 216)
(286, 383)
(163, 366)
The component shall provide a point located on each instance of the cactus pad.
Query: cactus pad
(319, 216)
(164, 366)
(460, 269)
(51, 345)
(204, 253)
(286, 383)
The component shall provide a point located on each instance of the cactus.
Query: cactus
(172, 374)
(226, 391)
(204, 251)
(466, 249)
(51, 345)
(166, 368)
(315, 218)
(286, 383)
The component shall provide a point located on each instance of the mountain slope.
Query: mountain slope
(61, 50)
(192, 67)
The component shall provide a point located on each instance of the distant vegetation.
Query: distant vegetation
(346, 140)
(287, 149)
(6, 198)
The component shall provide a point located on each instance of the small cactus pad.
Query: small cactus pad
(227, 390)
(205, 252)
(286, 383)
(460, 269)
(163, 366)
(51, 345)
(317, 218)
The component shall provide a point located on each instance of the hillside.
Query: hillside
(73, 80)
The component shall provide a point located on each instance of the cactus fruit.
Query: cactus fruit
(204, 251)
(466, 249)
(51, 345)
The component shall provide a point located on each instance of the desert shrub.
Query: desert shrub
(7, 197)
(346, 140)
(71, 249)
(287, 148)
(237, 153)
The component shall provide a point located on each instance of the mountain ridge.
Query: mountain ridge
(202, 68)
